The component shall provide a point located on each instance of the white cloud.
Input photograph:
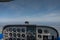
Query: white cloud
(52, 17)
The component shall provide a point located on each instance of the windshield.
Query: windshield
(41, 12)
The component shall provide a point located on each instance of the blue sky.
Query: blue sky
(30, 10)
